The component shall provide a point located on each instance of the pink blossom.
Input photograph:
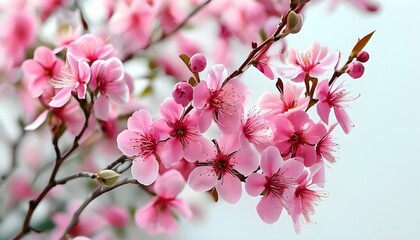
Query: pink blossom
(263, 63)
(185, 139)
(133, 19)
(39, 71)
(315, 62)
(334, 98)
(223, 103)
(116, 216)
(198, 62)
(355, 69)
(182, 93)
(169, 13)
(306, 196)
(90, 48)
(159, 215)
(290, 100)
(221, 168)
(296, 135)
(108, 79)
(140, 140)
(73, 76)
(327, 146)
(276, 184)
(18, 33)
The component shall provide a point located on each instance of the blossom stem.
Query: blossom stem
(276, 36)
(60, 158)
(96, 193)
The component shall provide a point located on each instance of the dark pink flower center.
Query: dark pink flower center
(276, 185)
(182, 132)
(145, 144)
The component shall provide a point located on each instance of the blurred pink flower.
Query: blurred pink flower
(160, 215)
(315, 61)
(40, 70)
(276, 184)
(90, 48)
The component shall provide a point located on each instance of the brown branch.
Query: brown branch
(74, 176)
(96, 193)
(26, 228)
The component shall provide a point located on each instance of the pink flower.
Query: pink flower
(326, 147)
(73, 76)
(262, 63)
(306, 196)
(297, 135)
(40, 70)
(198, 62)
(336, 99)
(116, 216)
(290, 100)
(183, 93)
(221, 168)
(276, 184)
(108, 79)
(133, 19)
(159, 215)
(170, 14)
(140, 140)
(223, 103)
(184, 136)
(90, 48)
(315, 61)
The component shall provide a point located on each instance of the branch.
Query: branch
(96, 193)
(74, 176)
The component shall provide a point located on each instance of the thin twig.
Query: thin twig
(74, 176)
(96, 193)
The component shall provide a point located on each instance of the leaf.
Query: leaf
(360, 45)
(147, 91)
(263, 35)
(185, 59)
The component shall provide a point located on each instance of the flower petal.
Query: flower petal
(202, 179)
(229, 188)
(271, 160)
(269, 209)
(169, 184)
(145, 170)
(255, 184)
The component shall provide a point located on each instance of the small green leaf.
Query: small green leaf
(360, 45)
(263, 35)
(147, 91)
(185, 59)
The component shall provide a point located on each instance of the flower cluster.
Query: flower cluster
(91, 87)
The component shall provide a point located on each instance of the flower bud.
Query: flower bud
(183, 93)
(107, 177)
(198, 62)
(355, 69)
(362, 56)
(294, 22)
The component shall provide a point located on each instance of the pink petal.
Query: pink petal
(266, 70)
(83, 71)
(271, 161)
(217, 74)
(140, 121)
(32, 67)
(101, 108)
(145, 170)
(255, 184)
(146, 215)
(44, 56)
(192, 151)
(200, 95)
(169, 184)
(323, 109)
(269, 209)
(202, 179)
(322, 90)
(205, 120)
(172, 152)
(61, 98)
(118, 92)
(181, 207)
(170, 110)
(127, 143)
(292, 169)
(343, 119)
(229, 188)
(284, 129)
(308, 153)
(114, 69)
(37, 122)
(246, 158)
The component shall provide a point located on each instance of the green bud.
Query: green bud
(294, 22)
(107, 177)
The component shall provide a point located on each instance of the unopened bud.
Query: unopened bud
(107, 177)
(182, 93)
(355, 69)
(294, 22)
(198, 62)
(362, 56)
